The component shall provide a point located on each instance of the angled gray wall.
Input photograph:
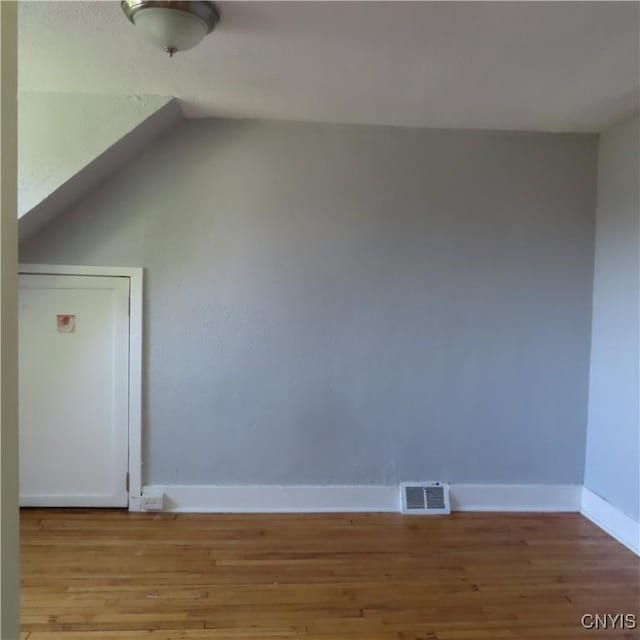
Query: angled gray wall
(90, 160)
(336, 304)
(613, 442)
(60, 133)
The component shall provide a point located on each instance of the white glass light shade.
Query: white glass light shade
(170, 29)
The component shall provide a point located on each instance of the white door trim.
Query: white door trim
(135, 275)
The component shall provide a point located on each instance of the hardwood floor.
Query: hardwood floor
(110, 575)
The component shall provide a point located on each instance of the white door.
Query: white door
(74, 380)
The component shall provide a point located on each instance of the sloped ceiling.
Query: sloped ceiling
(61, 133)
(68, 143)
(551, 66)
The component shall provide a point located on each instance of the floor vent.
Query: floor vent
(430, 498)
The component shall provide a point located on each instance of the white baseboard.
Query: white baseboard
(516, 497)
(618, 525)
(277, 498)
(352, 499)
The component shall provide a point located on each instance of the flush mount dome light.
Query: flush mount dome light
(172, 26)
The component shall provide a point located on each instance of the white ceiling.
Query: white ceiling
(551, 66)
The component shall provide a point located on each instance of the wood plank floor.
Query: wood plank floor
(111, 575)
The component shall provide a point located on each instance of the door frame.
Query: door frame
(136, 277)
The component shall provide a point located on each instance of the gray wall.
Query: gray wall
(9, 514)
(613, 441)
(343, 304)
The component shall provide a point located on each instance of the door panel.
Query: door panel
(74, 380)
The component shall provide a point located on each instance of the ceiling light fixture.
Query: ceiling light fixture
(172, 26)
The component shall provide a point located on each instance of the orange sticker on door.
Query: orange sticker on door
(66, 323)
